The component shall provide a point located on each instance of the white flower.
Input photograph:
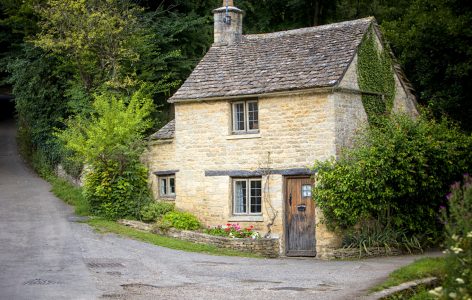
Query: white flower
(436, 292)
(469, 235)
(454, 237)
(456, 250)
(460, 280)
(453, 295)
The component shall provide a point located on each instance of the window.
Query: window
(167, 186)
(247, 196)
(246, 117)
(306, 190)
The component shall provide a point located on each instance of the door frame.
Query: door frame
(306, 253)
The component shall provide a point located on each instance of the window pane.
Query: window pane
(172, 185)
(256, 203)
(306, 190)
(163, 186)
(240, 197)
(253, 115)
(238, 116)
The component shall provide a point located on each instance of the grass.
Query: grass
(421, 268)
(106, 226)
(73, 195)
(421, 293)
(70, 194)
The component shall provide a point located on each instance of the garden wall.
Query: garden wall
(264, 247)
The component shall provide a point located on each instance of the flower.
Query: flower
(469, 235)
(448, 196)
(460, 280)
(453, 295)
(455, 237)
(436, 292)
(456, 250)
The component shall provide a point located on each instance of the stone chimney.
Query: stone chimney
(228, 23)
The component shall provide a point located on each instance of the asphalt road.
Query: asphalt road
(45, 254)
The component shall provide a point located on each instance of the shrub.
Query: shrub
(377, 236)
(181, 220)
(110, 141)
(234, 231)
(457, 218)
(155, 210)
(397, 173)
(114, 195)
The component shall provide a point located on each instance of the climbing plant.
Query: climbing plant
(375, 76)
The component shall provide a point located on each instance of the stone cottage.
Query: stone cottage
(252, 118)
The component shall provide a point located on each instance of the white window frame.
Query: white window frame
(169, 194)
(246, 117)
(248, 196)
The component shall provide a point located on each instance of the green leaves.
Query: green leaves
(398, 173)
(112, 132)
(375, 74)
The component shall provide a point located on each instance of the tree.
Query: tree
(110, 141)
(433, 40)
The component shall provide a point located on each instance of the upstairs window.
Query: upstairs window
(167, 186)
(247, 196)
(245, 116)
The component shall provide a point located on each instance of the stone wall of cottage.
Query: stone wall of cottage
(160, 155)
(294, 131)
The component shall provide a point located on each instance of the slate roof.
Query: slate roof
(281, 61)
(165, 133)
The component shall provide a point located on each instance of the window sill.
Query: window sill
(243, 136)
(246, 219)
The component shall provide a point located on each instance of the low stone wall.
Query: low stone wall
(354, 253)
(265, 247)
(61, 173)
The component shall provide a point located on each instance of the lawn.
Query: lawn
(419, 269)
(73, 195)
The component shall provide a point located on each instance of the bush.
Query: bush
(114, 195)
(377, 236)
(181, 220)
(397, 173)
(110, 141)
(155, 210)
(458, 281)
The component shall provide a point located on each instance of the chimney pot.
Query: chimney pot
(229, 2)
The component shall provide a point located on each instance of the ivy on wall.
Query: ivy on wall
(375, 74)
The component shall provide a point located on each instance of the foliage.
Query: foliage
(115, 193)
(39, 102)
(181, 220)
(419, 269)
(377, 236)
(457, 219)
(432, 40)
(110, 141)
(375, 74)
(99, 38)
(234, 231)
(397, 173)
(70, 194)
(105, 226)
(156, 210)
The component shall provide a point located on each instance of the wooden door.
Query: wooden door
(300, 217)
